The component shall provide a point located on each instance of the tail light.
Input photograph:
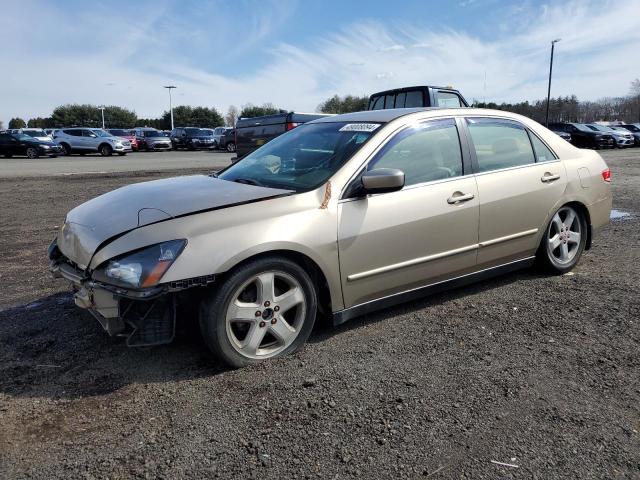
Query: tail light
(291, 125)
(606, 175)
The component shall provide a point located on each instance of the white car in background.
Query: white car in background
(37, 133)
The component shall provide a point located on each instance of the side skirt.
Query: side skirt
(347, 314)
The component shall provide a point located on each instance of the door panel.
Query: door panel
(393, 242)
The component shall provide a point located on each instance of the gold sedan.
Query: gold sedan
(338, 217)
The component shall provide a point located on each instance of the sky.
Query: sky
(296, 53)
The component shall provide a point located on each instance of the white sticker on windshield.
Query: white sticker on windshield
(359, 127)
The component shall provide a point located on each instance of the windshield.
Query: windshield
(584, 128)
(22, 136)
(101, 133)
(152, 133)
(207, 132)
(303, 158)
(195, 132)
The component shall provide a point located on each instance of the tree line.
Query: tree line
(561, 109)
(87, 115)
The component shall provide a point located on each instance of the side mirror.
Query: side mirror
(383, 180)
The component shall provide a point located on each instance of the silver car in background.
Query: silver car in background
(337, 217)
(623, 139)
(151, 139)
(90, 140)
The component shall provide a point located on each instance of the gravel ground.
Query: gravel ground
(534, 371)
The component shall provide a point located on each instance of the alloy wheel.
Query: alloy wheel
(265, 314)
(564, 235)
(231, 147)
(32, 152)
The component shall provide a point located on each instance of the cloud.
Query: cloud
(99, 59)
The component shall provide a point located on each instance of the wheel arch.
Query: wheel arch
(584, 210)
(102, 144)
(314, 270)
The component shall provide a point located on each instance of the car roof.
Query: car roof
(384, 116)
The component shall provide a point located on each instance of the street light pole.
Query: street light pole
(102, 111)
(170, 87)
(553, 44)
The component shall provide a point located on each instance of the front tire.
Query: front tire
(66, 149)
(231, 147)
(106, 150)
(264, 309)
(564, 240)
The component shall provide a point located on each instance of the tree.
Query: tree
(232, 116)
(157, 123)
(17, 122)
(249, 110)
(349, 103)
(187, 116)
(91, 116)
(40, 122)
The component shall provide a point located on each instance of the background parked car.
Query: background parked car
(152, 139)
(562, 134)
(228, 140)
(88, 140)
(37, 133)
(422, 96)
(634, 128)
(252, 133)
(126, 134)
(21, 144)
(192, 138)
(583, 136)
(622, 139)
(219, 133)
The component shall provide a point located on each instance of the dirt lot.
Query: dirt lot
(535, 371)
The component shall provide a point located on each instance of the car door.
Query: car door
(519, 181)
(89, 140)
(422, 234)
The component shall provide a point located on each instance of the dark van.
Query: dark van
(422, 96)
(252, 133)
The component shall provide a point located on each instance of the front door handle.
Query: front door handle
(549, 177)
(459, 197)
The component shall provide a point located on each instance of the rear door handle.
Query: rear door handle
(459, 197)
(549, 177)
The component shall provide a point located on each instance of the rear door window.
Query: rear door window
(499, 143)
(389, 101)
(413, 99)
(400, 99)
(543, 154)
(377, 103)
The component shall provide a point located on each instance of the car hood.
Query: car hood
(93, 224)
(37, 141)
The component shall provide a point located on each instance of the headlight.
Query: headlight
(141, 269)
(46, 147)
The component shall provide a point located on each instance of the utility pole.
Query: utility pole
(102, 111)
(170, 87)
(553, 44)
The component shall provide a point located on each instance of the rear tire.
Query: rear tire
(264, 309)
(564, 240)
(231, 147)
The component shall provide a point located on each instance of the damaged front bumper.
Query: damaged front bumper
(144, 317)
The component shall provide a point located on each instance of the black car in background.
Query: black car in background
(584, 137)
(21, 144)
(252, 133)
(227, 141)
(192, 138)
(561, 133)
(412, 97)
(634, 128)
